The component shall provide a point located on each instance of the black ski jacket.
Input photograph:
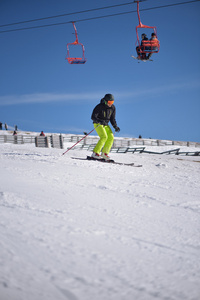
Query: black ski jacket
(103, 114)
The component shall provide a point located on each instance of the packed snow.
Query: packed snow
(86, 230)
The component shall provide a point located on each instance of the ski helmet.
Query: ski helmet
(109, 97)
(144, 35)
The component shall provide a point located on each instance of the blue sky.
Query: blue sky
(40, 90)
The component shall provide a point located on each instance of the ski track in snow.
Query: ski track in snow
(79, 230)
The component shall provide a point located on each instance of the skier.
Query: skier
(154, 43)
(142, 47)
(103, 113)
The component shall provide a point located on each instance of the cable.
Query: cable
(68, 14)
(100, 17)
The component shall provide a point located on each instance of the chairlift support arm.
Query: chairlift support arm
(76, 41)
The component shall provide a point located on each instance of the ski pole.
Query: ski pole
(80, 140)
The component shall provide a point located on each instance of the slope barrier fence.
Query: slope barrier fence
(120, 145)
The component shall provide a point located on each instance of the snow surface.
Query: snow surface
(85, 230)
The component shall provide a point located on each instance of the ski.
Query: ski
(107, 161)
(140, 59)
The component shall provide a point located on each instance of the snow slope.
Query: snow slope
(84, 230)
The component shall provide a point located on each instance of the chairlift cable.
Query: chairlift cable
(68, 14)
(99, 17)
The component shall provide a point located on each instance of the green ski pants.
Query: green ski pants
(106, 138)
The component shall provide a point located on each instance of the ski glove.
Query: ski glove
(117, 129)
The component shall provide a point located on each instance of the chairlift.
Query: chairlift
(149, 46)
(75, 60)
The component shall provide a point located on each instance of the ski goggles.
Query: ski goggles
(110, 102)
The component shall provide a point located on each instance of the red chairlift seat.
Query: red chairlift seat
(147, 46)
(76, 60)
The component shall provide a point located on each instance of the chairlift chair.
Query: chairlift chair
(75, 60)
(147, 46)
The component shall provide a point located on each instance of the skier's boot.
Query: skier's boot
(105, 156)
(96, 155)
